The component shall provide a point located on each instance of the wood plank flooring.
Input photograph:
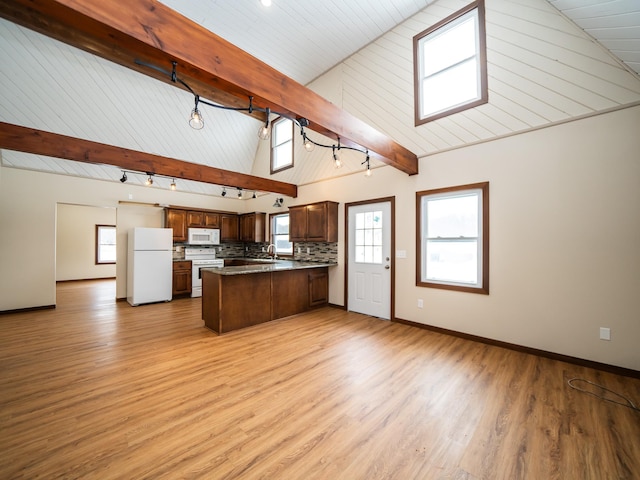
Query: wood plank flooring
(99, 389)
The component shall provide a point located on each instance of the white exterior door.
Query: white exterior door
(370, 259)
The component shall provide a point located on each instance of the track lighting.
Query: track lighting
(263, 133)
(367, 173)
(173, 185)
(197, 122)
(124, 177)
(239, 192)
(336, 156)
(224, 192)
(149, 181)
(254, 195)
(278, 203)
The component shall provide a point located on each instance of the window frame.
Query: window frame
(483, 287)
(481, 53)
(98, 244)
(274, 146)
(272, 217)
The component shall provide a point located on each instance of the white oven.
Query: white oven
(200, 258)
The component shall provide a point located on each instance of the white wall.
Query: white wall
(76, 242)
(565, 237)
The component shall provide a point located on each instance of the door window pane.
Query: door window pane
(368, 237)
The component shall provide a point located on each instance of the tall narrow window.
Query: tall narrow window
(450, 65)
(281, 144)
(453, 240)
(105, 244)
(280, 234)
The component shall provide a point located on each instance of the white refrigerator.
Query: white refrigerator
(149, 265)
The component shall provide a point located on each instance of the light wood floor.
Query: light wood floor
(95, 389)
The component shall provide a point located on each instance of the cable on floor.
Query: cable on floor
(627, 403)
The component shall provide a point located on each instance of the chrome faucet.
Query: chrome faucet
(274, 254)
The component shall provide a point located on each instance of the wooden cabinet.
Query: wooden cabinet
(318, 287)
(229, 231)
(231, 302)
(211, 220)
(180, 219)
(181, 278)
(252, 227)
(202, 219)
(177, 220)
(316, 222)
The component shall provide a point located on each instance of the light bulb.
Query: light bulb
(263, 133)
(196, 121)
(336, 159)
(149, 181)
(368, 172)
(265, 3)
(173, 185)
(308, 146)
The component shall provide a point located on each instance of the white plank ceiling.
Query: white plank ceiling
(549, 61)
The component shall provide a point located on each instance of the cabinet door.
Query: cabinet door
(177, 220)
(297, 224)
(181, 278)
(195, 218)
(247, 227)
(228, 228)
(317, 222)
(318, 287)
(211, 220)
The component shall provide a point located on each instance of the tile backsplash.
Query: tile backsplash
(322, 252)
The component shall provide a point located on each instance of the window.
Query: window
(105, 244)
(453, 238)
(450, 65)
(281, 144)
(280, 234)
(368, 237)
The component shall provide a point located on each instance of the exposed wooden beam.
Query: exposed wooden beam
(150, 31)
(30, 140)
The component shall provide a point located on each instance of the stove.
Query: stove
(200, 258)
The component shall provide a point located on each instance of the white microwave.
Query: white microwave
(203, 236)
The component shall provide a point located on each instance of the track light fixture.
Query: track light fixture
(278, 203)
(367, 173)
(254, 195)
(196, 120)
(239, 192)
(224, 192)
(149, 180)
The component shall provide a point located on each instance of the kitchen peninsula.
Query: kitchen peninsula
(240, 296)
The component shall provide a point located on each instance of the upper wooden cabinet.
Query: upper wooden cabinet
(229, 231)
(202, 219)
(252, 227)
(181, 219)
(177, 220)
(316, 222)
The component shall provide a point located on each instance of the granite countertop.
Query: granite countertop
(263, 266)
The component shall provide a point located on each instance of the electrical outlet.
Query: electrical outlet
(605, 333)
(420, 303)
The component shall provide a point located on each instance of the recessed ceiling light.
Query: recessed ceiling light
(266, 3)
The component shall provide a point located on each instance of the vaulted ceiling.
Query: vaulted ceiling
(57, 88)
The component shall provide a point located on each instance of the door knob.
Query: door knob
(387, 267)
